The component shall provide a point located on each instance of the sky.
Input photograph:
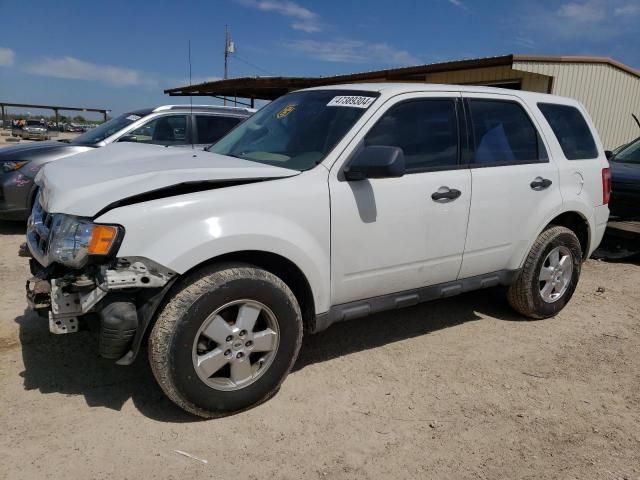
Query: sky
(121, 55)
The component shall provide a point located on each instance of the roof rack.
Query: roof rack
(207, 107)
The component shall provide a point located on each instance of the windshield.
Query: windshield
(298, 130)
(34, 123)
(629, 154)
(105, 130)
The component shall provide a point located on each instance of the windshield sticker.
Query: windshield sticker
(351, 101)
(133, 118)
(286, 111)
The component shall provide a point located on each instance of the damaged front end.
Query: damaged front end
(115, 296)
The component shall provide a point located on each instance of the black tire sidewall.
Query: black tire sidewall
(568, 240)
(182, 370)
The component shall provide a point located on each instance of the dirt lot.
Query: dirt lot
(460, 388)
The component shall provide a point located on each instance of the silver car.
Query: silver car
(170, 125)
(32, 130)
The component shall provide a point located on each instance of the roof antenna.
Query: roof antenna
(190, 99)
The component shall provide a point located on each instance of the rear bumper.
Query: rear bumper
(601, 216)
(18, 215)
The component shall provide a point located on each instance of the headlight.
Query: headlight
(12, 166)
(73, 239)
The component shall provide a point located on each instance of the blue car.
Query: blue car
(625, 175)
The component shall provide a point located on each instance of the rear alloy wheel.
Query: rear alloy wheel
(549, 275)
(225, 340)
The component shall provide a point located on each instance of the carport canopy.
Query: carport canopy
(55, 108)
(270, 88)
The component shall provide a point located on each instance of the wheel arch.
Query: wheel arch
(576, 219)
(274, 263)
(578, 224)
(282, 267)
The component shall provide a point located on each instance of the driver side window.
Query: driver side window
(425, 129)
(165, 130)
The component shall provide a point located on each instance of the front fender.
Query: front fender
(185, 231)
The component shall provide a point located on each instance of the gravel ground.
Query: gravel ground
(459, 388)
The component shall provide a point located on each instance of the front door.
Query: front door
(395, 234)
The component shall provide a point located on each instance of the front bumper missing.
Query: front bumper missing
(133, 285)
(63, 308)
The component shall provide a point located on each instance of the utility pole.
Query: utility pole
(229, 48)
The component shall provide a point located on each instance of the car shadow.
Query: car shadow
(396, 325)
(68, 364)
(8, 227)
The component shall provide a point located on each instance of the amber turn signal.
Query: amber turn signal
(102, 239)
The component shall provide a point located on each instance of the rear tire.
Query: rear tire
(549, 276)
(205, 357)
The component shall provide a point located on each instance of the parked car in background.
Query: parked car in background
(328, 204)
(31, 130)
(169, 125)
(625, 178)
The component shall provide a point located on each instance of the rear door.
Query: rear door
(211, 128)
(514, 183)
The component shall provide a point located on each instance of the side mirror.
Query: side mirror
(128, 138)
(376, 162)
(609, 154)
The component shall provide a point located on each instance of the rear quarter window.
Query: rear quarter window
(571, 130)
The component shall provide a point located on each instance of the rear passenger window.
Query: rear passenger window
(503, 134)
(212, 128)
(425, 130)
(571, 130)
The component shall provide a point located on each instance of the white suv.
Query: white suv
(326, 205)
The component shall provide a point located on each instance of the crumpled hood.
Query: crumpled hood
(85, 184)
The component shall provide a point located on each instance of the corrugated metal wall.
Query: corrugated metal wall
(530, 81)
(609, 94)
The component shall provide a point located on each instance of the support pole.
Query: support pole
(226, 55)
(55, 111)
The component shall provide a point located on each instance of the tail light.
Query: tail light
(606, 185)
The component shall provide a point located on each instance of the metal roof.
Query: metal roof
(56, 107)
(269, 88)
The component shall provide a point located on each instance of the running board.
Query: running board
(407, 298)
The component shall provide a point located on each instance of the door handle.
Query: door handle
(445, 194)
(540, 183)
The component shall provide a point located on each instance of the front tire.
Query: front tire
(225, 340)
(549, 276)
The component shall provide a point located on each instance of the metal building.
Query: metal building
(609, 89)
